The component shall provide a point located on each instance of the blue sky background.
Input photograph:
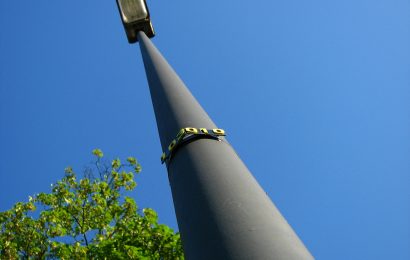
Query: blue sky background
(327, 83)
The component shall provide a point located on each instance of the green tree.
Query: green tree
(88, 218)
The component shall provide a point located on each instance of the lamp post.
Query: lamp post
(221, 210)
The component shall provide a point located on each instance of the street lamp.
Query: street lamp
(222, 211)
(135, 17)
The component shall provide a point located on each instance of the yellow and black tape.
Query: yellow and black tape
(188, 134)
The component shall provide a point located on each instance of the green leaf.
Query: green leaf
(68, 170)
(98, 153)
(132, 160)
(150, 215)
(116, 163)
(138, 168)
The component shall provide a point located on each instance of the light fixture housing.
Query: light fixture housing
(135, 17)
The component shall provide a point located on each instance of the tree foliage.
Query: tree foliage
(88, 218)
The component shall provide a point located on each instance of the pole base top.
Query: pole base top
(133, 29)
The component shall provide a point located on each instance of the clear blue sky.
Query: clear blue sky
(327, 83)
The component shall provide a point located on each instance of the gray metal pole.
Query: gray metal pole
(222, 211)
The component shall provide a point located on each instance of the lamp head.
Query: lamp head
(135, 17)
